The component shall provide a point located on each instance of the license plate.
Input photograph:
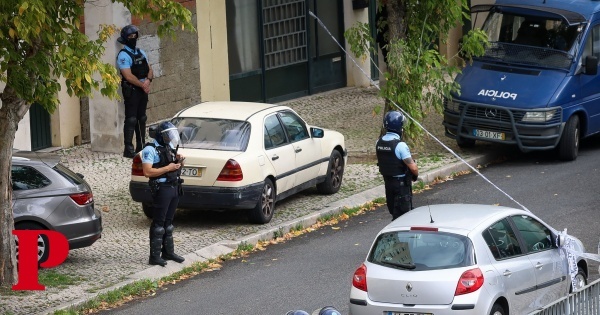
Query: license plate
(191, 171)
(488, 134)
(404, 313)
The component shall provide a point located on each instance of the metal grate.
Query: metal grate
(284, 32)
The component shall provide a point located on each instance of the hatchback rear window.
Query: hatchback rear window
(422, 250)
(25, 177)
(213, 134)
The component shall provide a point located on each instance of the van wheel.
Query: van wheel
(43, 245)
(263, 212)
(335, 172)
(465, 142)
(497, 310)
(568, 147)
(147, 208)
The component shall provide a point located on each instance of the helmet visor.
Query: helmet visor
(171, 137)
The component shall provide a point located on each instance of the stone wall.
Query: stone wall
(176, 68)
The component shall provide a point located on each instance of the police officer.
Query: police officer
(396, 165)
(160, 163)
(136, 76)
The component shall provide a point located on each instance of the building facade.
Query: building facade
(243, 50)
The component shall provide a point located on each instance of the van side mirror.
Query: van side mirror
(591, 65)
(316, 132)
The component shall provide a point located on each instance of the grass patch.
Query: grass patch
(297, 227)
(51, 278)
(279, 233)
(244, 246)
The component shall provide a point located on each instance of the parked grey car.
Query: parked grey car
(49, 196)
(464, 259)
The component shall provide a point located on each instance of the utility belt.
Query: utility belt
(155, 185)
(128, 88)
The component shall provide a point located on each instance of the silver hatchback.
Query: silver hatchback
(474, 259)
(49, 196)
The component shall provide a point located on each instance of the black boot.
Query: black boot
(127, 138)
(168, 249)
(156, 240)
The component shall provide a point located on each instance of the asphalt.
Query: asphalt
(120, 257)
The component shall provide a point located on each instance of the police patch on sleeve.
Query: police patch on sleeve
(146, 155)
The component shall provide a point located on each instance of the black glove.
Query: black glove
(414, 177)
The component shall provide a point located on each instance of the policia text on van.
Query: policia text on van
(536, 86)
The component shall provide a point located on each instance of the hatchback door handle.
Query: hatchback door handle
(275, 157)
(298, 149)
(539, 265)
(507, 273)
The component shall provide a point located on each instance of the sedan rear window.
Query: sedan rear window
(422, 250)
(213, 134)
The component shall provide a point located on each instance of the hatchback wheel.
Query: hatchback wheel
(263, 212)
(335, 172)
(497, 309)
(43, 246)
(580, 281)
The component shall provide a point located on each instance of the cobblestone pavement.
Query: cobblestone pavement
(123, 248)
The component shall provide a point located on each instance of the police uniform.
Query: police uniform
(391, 152)
(165, 197)
(136, 100)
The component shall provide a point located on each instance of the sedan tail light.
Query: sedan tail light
(470, 281)
(83, 198)
(231, 172)
(136, 166)
(359, 280)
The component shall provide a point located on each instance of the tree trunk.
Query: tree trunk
(12, 111)
(397, 26)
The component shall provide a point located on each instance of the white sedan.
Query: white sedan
(243, 155)
(466, 259)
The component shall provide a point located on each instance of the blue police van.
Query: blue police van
(537, 85)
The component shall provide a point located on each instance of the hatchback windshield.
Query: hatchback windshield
(422, 250)
(213, 134)
(530, 39)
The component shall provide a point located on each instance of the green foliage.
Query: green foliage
(40, 43)
(418, 75)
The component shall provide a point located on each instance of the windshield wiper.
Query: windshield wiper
(401, 265)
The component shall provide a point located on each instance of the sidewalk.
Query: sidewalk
(120, 257)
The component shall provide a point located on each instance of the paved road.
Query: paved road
(314, 270)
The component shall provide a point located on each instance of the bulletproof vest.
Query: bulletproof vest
(389, 163)
(167, 156)
(140, 67)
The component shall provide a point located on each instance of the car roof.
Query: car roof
(35, 158)
(457, 217)
(228, 110)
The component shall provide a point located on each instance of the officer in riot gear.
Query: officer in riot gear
(161, 164)
(136, 76)
(396, 165)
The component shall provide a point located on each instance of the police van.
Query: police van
(537, 85)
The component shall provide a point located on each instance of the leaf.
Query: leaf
(11, 33)
(88, 78)
(335, 227)
(23, 7)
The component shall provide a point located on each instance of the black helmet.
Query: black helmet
(298, 312)
(329, 310)
(393, 121)
(166, 133)
(126, 31)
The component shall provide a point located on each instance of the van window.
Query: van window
(533, 39)
(592, 44)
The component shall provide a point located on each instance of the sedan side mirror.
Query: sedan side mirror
(316, 132)
(591, 65)
(560, 239)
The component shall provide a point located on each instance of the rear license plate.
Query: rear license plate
(191, 171)
(404, 313)
(488, 134)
